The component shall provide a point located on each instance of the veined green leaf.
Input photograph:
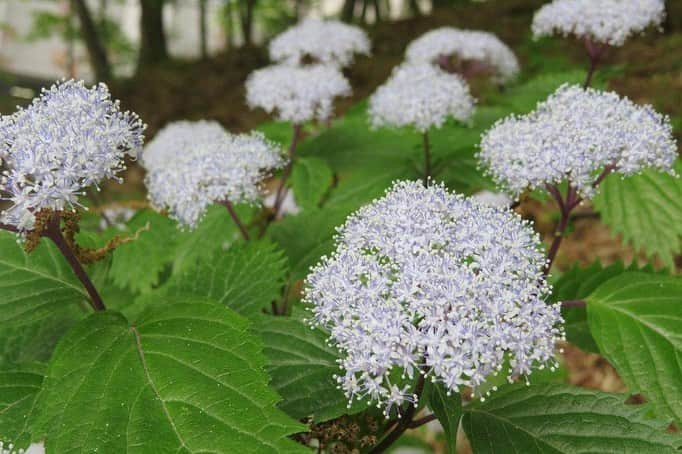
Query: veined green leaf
(302, 367)
(646, 209)
(563, 419)
(636, 319)
(186, 377)
(34, 286)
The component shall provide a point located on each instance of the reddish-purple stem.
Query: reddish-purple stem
(566, 206)
(230, 208)
(405, 421)
(53, 232)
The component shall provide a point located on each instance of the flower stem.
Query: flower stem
(281, 190)
(427, 158)
(421, 421)
(566, 206)
(54, 233)
(573, 303)
(405, 422)
(230, 208)
(595, 52)
(9, 228)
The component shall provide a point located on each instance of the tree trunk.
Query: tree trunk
(414, 8)
(348, 11)
(228, 23)
(246, 8)
(298, 9)
(203, 30)
(377, 11)
(152, 35)
(96, 52)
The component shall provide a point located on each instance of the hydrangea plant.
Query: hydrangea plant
(384, 303)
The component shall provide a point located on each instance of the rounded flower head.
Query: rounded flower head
(69, 138)
(465, 46)
(424, 279)
(191, 165)
(420, 96)
(572, 136)
(329, 42)
(296, 94)
(603, 21)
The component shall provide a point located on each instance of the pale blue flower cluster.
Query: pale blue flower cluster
(424, 281)
(69, 138)
(465, 45)
(421, 96)
(191, 165)
(573, 136)
(609, 22)
(296, 94)
(329, 42)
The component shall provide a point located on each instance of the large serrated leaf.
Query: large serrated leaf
(138, 265)
(636, 319)
(19, 388)
(646, 210)
(302, 366)
(187, 377)
(34, 286)
(563, 419)
(577, 284)
(247, 278)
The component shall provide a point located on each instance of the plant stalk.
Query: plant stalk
(427, 158)
(235, 217)
(54, 233)
(405, 422)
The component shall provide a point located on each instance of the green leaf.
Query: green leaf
(646, 209)
(636, 319)
(310, 180)
(35, 286)
(577, 284)
(523, 98)
(562, 419)
(19, 388)
(307, 236)
(187, 377)
(138, 265)
(35, 342)
(448, 410)
(247, 278)
(302, 367)
(215, 232)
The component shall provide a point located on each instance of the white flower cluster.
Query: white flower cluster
(424, 280)
(69, 138)
(571, 136)
(192, 165)
(609, 22)
(329, 42)
(465, 45)
(421, 96)
(296, 94)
